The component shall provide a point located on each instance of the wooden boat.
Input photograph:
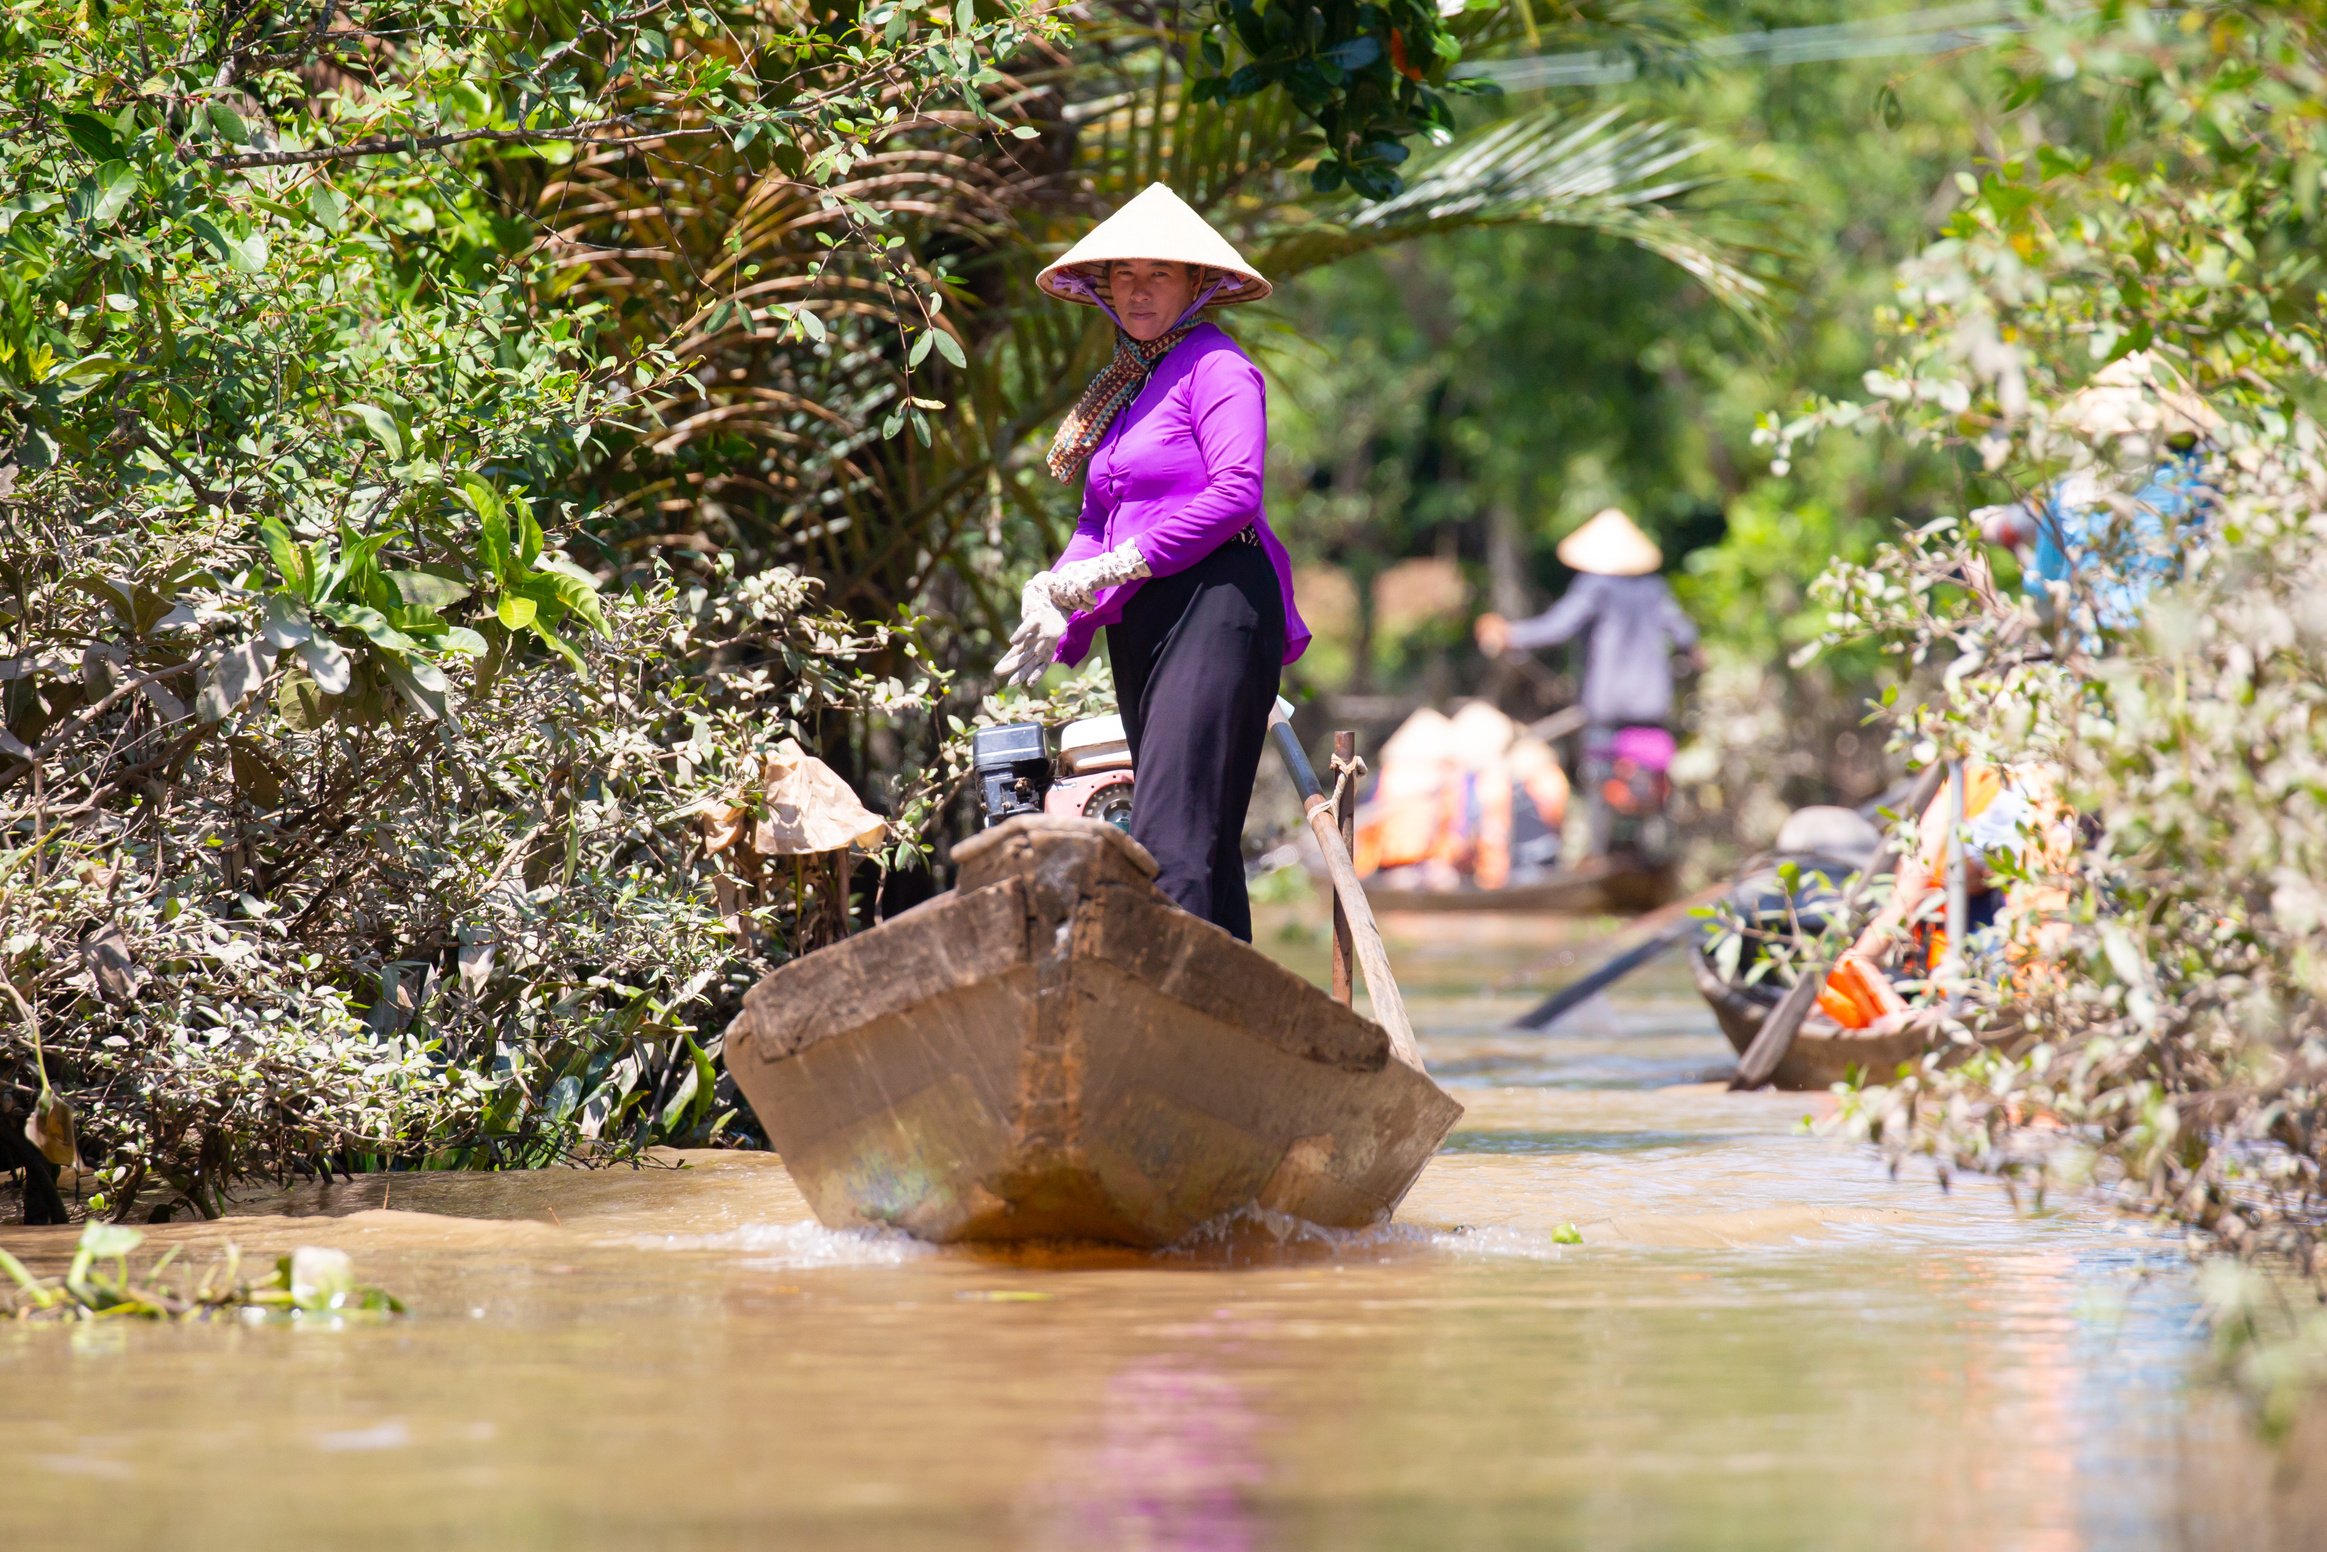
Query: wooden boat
(1053, 1050)
(1602, 884)
(1823, 1052)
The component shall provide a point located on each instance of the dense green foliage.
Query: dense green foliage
(1369, 76)
(2171, 203)
(1479, 399)
(344, 807)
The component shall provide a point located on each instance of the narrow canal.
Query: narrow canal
(1760, 1340)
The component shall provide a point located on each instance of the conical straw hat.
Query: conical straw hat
(1156, 225)
(1610, 546)
(2129, 395)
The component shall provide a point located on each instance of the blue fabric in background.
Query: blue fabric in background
(2172, 508)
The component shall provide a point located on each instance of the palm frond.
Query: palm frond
(1624, 179)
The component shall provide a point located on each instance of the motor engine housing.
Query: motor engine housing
(1091, 777)
(1012, 765)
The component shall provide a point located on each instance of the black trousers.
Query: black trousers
(1196, 658)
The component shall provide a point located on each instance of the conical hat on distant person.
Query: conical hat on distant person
(1826, 830)
(2130, 395)
(1610, 546)
(1156, 224)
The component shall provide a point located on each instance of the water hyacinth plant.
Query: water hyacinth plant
(101, 1285)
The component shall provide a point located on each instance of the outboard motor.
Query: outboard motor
(1094, 772)
(1012, 765)
(1091, 778)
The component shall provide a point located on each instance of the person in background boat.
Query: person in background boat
(1172, 555)
(2017, 837)
(2082, 550)
(1468, 801)
(2074, 539)
(1632, 629)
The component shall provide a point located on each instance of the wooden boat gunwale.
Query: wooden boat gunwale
(1824, 1053)
(1602, 884)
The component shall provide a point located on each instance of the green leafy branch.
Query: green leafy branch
(1369, 75)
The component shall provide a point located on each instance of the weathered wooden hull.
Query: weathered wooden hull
(1823, 1052)
(1576, 892)
(1054, 1051)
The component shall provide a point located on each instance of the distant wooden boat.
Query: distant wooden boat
(1055, 1051)
(1602, 884)
(1823, 1053)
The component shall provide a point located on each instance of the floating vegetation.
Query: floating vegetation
(100, 1285)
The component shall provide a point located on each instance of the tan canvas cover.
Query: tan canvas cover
(1480, 736)
(809, 810)
(1428, 770)
(1423, 737)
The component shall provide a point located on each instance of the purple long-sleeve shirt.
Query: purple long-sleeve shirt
(1179, 474)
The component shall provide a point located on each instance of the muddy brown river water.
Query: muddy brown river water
(1761, 1341)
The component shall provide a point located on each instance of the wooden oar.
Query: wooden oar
(1566, 720)
(1372, 958)
(1659, 931)
(1776, 1035)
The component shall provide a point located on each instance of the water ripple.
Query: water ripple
(795, 1246)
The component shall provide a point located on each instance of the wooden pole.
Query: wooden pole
(1373, 960)
(1950, 970)
(1345, 816)
(1372, 957)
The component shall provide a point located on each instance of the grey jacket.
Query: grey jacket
(1631, 627)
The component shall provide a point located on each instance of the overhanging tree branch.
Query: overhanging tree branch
(404, 145)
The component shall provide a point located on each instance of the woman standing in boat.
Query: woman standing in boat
(1172, 555)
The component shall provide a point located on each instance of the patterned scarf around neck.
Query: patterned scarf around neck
(1110, 393)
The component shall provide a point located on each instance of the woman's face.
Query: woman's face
(1149, 295)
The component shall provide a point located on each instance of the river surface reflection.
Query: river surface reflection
(1763, 1340)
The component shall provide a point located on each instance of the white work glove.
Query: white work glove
(1075, 585)
(1049, 597)
(1034, 645)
